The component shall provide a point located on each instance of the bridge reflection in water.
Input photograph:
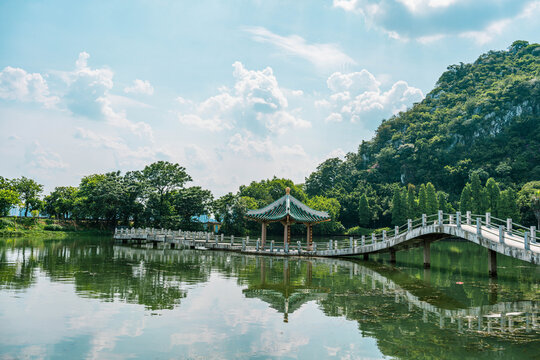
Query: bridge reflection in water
(361, 290)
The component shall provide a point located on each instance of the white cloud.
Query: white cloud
(17, 84)
(416, 6)
(247, 144)
(321, 55)
(356, 81)
(37, 156)
(428, 39)
(358, 97)
(334, 117)
(88, 95)
(255, 102)
(140, 87)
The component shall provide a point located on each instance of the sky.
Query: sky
(234, 91)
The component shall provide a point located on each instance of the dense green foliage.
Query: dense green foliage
(482, 120)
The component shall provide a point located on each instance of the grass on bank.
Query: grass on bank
(17, 226)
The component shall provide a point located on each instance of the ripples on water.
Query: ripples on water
(88, 298)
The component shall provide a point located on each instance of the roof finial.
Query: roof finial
(287, 190)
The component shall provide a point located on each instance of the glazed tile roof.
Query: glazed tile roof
(287, 205)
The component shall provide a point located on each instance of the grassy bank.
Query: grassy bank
(47, 228)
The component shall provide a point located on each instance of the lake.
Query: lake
(91, 298)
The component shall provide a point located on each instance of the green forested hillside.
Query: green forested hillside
(481, 118)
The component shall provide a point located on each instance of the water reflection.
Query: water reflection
(446, 312)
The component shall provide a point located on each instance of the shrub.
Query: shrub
(53, 227)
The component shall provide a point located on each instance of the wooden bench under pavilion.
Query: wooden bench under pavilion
(288, 210)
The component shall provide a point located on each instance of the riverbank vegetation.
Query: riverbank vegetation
(473, 144)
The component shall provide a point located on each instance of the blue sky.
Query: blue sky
(235, 91)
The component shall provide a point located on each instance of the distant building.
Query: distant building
(209, 223)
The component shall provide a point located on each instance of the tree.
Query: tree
(527, 202)
(465, 201)
(161, 179)
(29, 191)
(535, 206)
(61, 201)
(477, 194)
(8, 199)
(508, 208)
(191, 202)
(399, 207)
(332, 207)
(432, 205)
(422, 200)
(364, 212)
(411, 202)
(492, 196)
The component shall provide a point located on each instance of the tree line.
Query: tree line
(157, 196)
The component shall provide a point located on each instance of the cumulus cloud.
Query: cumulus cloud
(323, 56)
(88, 95)
(17, 84)
(358, 97)
(247, 144)
(431, 20)
(255, 102)
(140, 87)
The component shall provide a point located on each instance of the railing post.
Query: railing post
(286, 247)
(314, 246)
(373, 238)
(232, 240)
(488, 219)
(217, 239)
(363, 240)
(468, 218)
(409, 225)
(257, 245)
(509, 225)
(478, 226)
(458, 220)
(207, 238)
(272, 246)
(299, 246)
(533, 234)
(501, 234)
(351, 242)
(396, 231)
(247, 240)
(526, 240)
(222, 237)
(424, 220)
(243, 245)
(384, 235)
(330, 244)
(440, 214)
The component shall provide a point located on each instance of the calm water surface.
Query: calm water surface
(89, 298)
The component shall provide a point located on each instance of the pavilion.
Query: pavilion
(288, 210)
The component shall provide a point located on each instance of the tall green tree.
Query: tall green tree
(465, 201)
(364, 212)
(61, 201)
(508, 207)
(399, 207)
(492, 196)
(161, 179)
(29, 192)
(432, 205)
(412, 211)
(190, 202)
(422, 200)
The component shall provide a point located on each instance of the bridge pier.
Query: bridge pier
(366, 256)
(427, 254)
(392, 256)
(492, 263)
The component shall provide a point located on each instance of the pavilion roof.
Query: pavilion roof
(288, 205)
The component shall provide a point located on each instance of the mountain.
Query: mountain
(482, 117)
